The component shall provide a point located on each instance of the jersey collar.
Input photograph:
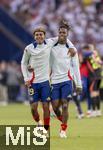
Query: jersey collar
(65, 44)
(35, 43)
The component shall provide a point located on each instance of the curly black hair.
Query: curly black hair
(64, 24)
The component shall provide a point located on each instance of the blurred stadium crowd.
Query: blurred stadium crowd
(12, 88)
(85, 17)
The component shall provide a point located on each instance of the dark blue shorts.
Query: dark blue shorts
(61, 90)
(39, 92)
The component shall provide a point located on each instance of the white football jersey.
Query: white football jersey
(37, 56)
(62, 64)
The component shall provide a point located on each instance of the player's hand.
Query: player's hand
(71, 52)
(30, 69)
(79, 89)
(27, 83)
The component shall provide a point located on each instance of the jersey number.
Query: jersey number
(31, 91)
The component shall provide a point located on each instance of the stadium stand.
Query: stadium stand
(85, 17)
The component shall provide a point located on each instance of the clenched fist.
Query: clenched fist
(79, 89)
(71, 52)
(30, 69)
(27, 83)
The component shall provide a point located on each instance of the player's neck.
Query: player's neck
(42, 42)
(62, 42)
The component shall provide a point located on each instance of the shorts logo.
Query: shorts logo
(51, 88)
(48, 99)
(69, 96)
(31, 91)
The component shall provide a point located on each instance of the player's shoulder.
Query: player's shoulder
(68, 40)
(29, 47)
(52, 41)
(71, 45)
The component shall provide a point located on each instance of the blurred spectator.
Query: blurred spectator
(13, 80)
(101, 85)
(98, 5)
(23, 94)
(3, 83)
(12, 88)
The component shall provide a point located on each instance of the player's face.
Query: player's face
(63, 33)
(39, 37)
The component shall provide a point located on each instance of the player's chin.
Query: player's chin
(40, 41)
(61, 38)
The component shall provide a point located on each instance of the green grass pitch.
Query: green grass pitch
(84, 134)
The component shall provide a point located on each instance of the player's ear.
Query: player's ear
(72, 52)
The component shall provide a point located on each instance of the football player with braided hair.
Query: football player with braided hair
(63, 54)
